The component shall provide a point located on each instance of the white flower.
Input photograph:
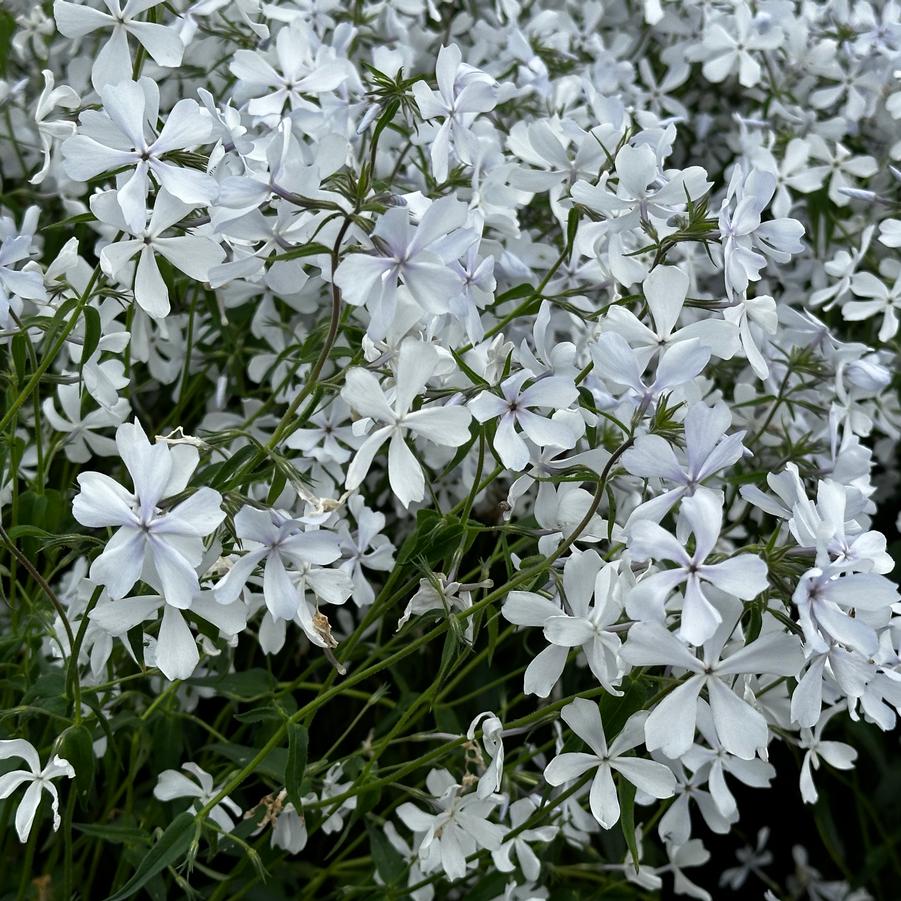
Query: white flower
(15, 284)
(675, 825)
(711, 761)
(729, 42)
(708, 450)
(890, 232)
(418, 257)
(753, 315)
(332, 785)
(691, 854)
(831, 525)
(825, 598)
(642, 190)
(437, 592)
(792, 173)
(743, 576)
(515, 408)
(477, 284)
(665, 290)
(411, 858)
(326, 438)
(118, 137)
(82, 441)
(289, 831)
(191, 254)
(175, 652)
(881, 298)
(740, 728)
(55, 130)
(302, 70)
(744, 234)
(653, 778)
(616, 363)
(463, 92)
(837, 754)
(457, 830)
(364, 548)
(594, 603)
(171, 785)
(518, 850)
(444, 425)
(271, 537)
(751, 860)
(113, 62)
(547, 145)
(840, 167)
(169, 541)
(842, 267)
(38, 779)
(493, 740)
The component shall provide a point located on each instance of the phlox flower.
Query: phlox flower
(274, 540)
(172, 785)
(744, 575)
(463, 93)
(39, 780)
(169, 541)
(516, 407)
(740, 728)
(119, 136)
(458, 828)
(653, 778)
(190, 253)
(76, 20)
(443, 425)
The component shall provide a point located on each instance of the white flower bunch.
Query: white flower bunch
(465, 433)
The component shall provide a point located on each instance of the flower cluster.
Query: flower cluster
(449, 433)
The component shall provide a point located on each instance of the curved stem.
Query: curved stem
(49, 357)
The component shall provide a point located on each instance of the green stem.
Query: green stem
(52, 354)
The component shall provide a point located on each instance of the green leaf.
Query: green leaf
(368, 798)
(298, 746)
(47, 687)
(627, 818)
(77, 746)
(492, 886)
(18, 346)
(279, 480)
(451, 644)
(46, 511)
(572, 225)
(17, 532)
(171, 848)
(520, 291)
(434, 537)
(269, 713)
(387, 859)
(93, 329)
(470, 373)
(272, 767)
(308, 250)
(755, 623)
(218, 474)
(67, 223)
(7, 29)
(615, 711)
(493, 630)
(135, 639)
(117, 835)
(248, 685)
